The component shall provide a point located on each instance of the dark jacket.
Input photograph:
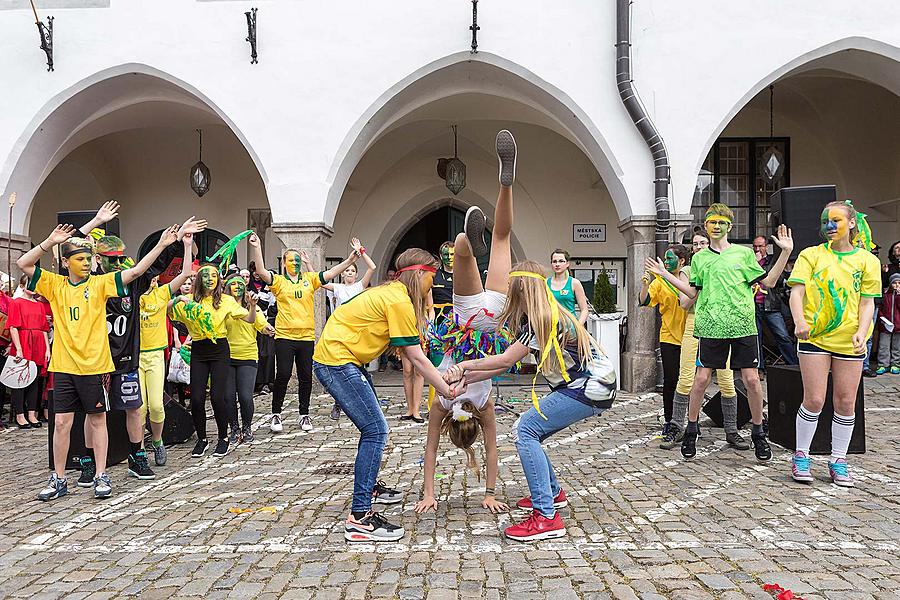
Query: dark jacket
(893, 266)
(777, 295)
(890, 310)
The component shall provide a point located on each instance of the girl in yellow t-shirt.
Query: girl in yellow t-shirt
(658, 292)
(833, 291)
(244, 356)
(205, 316)
(391, 314)
(295, 324)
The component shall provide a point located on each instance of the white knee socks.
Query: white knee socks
(841, 431)
(806, 428)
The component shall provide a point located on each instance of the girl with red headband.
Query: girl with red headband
(391, 314)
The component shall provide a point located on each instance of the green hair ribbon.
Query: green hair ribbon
(223, 255)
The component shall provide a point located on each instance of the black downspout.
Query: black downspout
(643, 123)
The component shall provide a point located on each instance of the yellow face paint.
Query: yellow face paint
(717, 226)
(835, 224)
(293, 265)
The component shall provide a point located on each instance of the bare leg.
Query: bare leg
(156, 429)
(754, 394)
(412, 386)
(501, 255)
(135, 426)
(61, 434)
(101, 439)
(466, 279)
(701, 382)
(88, 434)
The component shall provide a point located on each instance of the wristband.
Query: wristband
(41, 246)
(362, 250)
(488, 491)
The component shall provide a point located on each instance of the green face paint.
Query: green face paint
(834, 224)
(447, 257)
(237, 288)
(292, 263)
(671, 261)
(209, 277)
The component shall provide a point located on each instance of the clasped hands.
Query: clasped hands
(455, 377)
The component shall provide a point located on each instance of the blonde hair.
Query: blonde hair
(720, 210)
(464, 434)
(528, 298)
(412, 280)
(76, 242)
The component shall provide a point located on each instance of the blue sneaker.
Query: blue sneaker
(800, 468)
(839, 473)
(56, 488)
(102, 486)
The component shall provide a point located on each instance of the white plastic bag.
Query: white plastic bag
(179, 371)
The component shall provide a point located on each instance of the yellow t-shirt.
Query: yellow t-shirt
(364, 326)
(153, 318)
(228, 309)
(672, 319)
(835, 282)
(80, 342)
(296, 319)
(242, 337)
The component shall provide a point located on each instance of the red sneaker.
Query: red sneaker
(559, 502)
(537, 527)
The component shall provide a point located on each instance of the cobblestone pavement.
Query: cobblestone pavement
(642, 523)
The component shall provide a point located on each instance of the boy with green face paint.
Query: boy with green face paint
(722, 277)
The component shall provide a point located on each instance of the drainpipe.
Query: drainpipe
(643, 123)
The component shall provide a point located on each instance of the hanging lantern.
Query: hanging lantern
(771, 166)
(455, 170)
(200, 177)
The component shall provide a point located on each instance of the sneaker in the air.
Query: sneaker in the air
(88, 472)
(385, 495)
(102, 486)
(800, 468)
(371, 528)
(200, 448)
(506, 153)
(840, 475)
(306, 423)
(138, 466)
(56, 488)
(474, 226)
(275, 425)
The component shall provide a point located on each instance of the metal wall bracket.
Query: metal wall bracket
(46, 33)
(251, 34)
(474, 28)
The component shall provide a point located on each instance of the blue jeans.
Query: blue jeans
(352, 389)
(868, 354)
(532, 429)
(775, 321)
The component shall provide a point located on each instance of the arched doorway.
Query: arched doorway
(441, 225)
(207, 243)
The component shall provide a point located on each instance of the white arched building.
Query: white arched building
(337, 130)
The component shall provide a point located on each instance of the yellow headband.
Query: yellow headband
(208, 267)
(722, 217)
(552, 342)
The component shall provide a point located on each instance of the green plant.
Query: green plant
(603, 294)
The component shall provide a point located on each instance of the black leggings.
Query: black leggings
(27, 398)
(210, 362)
(671, 362)
(287, 353)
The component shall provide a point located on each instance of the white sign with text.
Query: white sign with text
(589, 233)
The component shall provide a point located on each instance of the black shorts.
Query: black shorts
(807, 348)
(124, 391)
(73, 393)
(713, 353)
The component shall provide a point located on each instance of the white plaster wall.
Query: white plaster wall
(556, 186)
(324, 64)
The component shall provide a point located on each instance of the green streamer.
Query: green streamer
(223, 255)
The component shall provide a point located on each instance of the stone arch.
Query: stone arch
(484, 73)
(87, 110)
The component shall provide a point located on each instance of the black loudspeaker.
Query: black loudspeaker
(78, 218)
(713, 409)
(119, 444)
(800, 208)
(178, 427)
(785, 391)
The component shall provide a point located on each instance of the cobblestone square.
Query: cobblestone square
(642, 522)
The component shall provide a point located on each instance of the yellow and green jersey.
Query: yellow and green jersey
(296, 319)
(242, 337)
(204, 322)
(153, 318)
(663, 294)
(835, 282)
(725, 307)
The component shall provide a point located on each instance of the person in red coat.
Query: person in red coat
(30, 340)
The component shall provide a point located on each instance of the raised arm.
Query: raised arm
(657, 267)
(785, 241)
(339, 268)
(105, 214)
(371, 267)
(685, 301)
(256, 250)
(581, 299)
(59, 235)
(492, 462)
(486, 367)
(175, 284)
(644, 293)
(168, 237)
(250, 317)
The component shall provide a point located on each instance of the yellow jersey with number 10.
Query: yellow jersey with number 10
(296, 319)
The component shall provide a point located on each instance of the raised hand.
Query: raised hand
(108, 212)
(191, 226)
(188, 240)
(305, 257)
(425, 504)
(252, 298)
(169, 236)
(656, 266)
(253, 240)
(356, 245)
(60, 234)
(783, 238)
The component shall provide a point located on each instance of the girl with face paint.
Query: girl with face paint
(206, 315)
(295, 324)
(655, 291)
(242, 344)
(834, 286)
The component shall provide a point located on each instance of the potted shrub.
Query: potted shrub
(605, 323)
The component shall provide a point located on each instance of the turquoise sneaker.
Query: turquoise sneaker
(839, 473)
(895, 370)
(800, 468)
(881, 370)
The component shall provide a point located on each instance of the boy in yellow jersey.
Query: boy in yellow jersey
(295, 325)
(154, 341)
(80, 352)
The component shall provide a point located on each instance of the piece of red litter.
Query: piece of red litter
(780, 592)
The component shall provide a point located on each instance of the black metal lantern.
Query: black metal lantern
(455, 170)
(771, 166)
(200, 177)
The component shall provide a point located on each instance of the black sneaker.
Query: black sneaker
(869, 373)
(139, 467)
(88, 472)
(200, 448)
(474, 227)
(506, 152)
(761, 447)
(247, 435)
(234, 438)
(736, 441)
(385, 495)
(689, 444)
(222, 447)
(371, 528)
(671, 437)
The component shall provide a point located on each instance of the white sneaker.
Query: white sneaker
(306, 423)
(275, 426)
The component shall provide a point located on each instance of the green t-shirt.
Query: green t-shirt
(725, 307)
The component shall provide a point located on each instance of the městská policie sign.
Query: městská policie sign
(589, 233)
